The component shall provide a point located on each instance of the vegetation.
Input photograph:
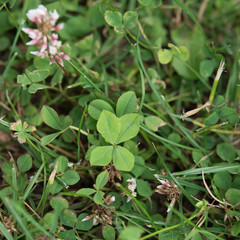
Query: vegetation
(119, 119)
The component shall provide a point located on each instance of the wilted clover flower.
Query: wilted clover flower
(101, 214)
(9, 224)
(44, 38)
(113, 172)
(170, 189)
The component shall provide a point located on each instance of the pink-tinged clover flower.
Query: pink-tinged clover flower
(170, 189)
(45, 38)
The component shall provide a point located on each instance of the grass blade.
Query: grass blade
(189, 13)
(32, 182)
(9, 204)
(29, 218)
(166, 140)
(214, 169)
(177, 122)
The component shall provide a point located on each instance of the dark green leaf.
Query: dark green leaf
(223, 180)
(236, 229)
(49, 138)
(68, 218)
(102, 179)
(236, 182)
(233, 196)
(229, 114)
(68, 234)
(57, 77)
(95, 15)
(67, 121)
(24, 163)
(131, 146)
(157, 3)
(56, 188)
(211, 119)
(70, 177)
(143, 188)
(226, 152)
(84, 225)
(4, 43)
(59, 203)
(50, 117)
(62, 163)
(108, 233)
(139, 166)
(207, 67)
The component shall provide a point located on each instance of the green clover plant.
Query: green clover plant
(115, 129)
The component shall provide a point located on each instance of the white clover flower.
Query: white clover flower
(53, 50)
(54, 16)
(70, 164)
(132, 185)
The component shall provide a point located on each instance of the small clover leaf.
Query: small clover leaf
(21, 128)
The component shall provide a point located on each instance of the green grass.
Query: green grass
(177, 121)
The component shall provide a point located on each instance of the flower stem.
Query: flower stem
(80, 130)
(88, 79)
(215, 83)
